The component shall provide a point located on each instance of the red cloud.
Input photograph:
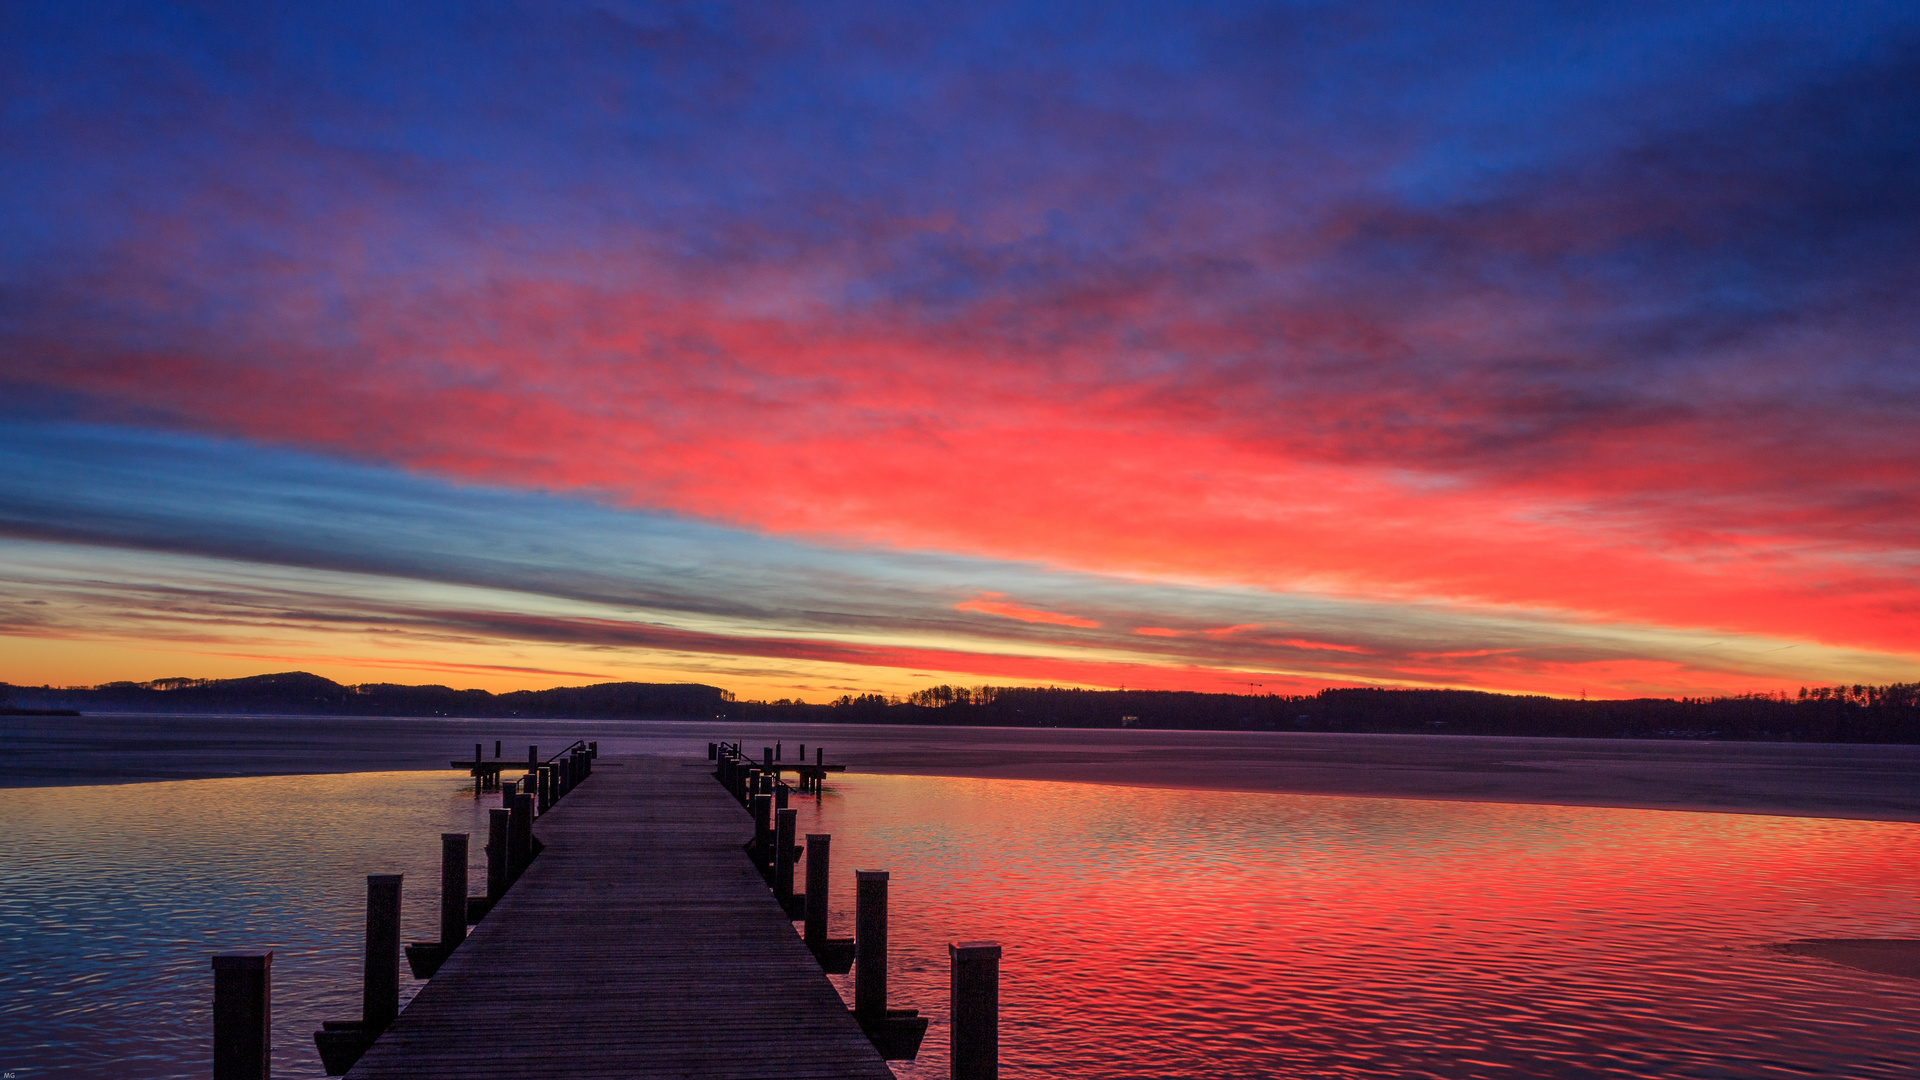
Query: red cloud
(1036, 429)
(987, 605)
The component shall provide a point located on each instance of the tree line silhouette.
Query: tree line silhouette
(1858, 713)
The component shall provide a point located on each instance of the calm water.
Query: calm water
(117, 896)
(1147, 932)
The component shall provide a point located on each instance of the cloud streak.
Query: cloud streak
(212, 552)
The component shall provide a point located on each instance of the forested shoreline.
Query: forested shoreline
(1860, 714)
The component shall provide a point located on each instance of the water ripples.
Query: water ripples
(1148, 932)
(1200, 934)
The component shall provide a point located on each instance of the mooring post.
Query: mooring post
(713, 751)
(380, 980)
(803, 753)
(453, 888)
(766, 758)
(785, 822)
(533, 757)
(496, 748)
(499, 823)
(243, 1016)
(520, 836)
(776, 749)
(819, 848)
(820, 756)
(870, 944)
(543, 785)
(975, 1009)
(763, 827)
(780, 792)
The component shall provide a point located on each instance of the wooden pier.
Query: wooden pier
(641, 942)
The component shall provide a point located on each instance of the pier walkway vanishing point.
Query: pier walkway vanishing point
(640, 943)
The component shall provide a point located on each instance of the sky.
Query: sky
(836, 348)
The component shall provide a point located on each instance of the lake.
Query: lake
(1148, 932)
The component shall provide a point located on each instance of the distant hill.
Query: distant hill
(1859, 714)
(297, 692)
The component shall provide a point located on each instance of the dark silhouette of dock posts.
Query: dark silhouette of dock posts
(425, 957)
(896, 1033)
(834, 954)
(763, 831)
(381, 991)
(784, 852)
(499, 824)
(519, 833)
(870, 939)
(243, 1016)
(974, 1014)
(342, 1042)
(453, 889)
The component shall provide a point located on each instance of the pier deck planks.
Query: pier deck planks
(641, 943)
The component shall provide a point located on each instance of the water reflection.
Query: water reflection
(118, 896)
(1180, 933)
(1147, 932)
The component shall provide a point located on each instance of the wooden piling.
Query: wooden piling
(763, 829)
(870, 944)
(453, 889)
(520, 836)
(819, 856)
(499, 824)
(975, 1009)
(785, 822)
(496, 748)
(243, 1016)
(533, 758)
(780, 794)
(380, 979)
(543, 786)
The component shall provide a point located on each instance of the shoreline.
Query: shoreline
(1815, 780)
